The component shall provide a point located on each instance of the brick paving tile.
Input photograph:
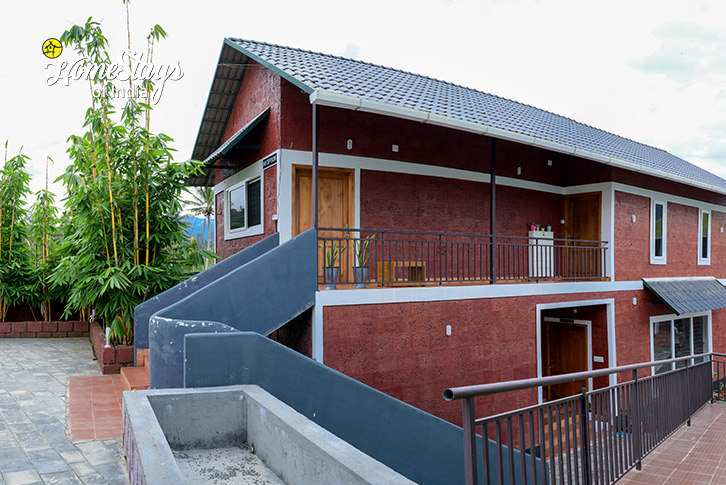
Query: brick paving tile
(34, 431)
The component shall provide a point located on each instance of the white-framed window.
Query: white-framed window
(243, 208)
(674, 336)
(704, 237)
(658, 231)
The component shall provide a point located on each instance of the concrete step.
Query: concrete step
(135, 377)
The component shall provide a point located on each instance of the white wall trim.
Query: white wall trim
(652, 194)
(373, 296)
(610, 315)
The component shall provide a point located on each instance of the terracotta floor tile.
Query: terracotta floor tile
(95, 407)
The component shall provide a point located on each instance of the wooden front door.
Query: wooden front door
(564, 350)
(335, 200)
(582, 223)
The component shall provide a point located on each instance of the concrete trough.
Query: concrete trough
(182, 435)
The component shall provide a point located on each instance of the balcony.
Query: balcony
(366, 258)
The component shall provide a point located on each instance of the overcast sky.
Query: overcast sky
(652, 71)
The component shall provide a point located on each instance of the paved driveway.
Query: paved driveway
(34, 445)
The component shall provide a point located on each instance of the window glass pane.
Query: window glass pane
(658, 230)
(254, 203)
(662, 344)
(700, 336)
(237, 208)
(704, 236)
(682, 339)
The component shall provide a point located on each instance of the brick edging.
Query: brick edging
(110, 359)
(56, 329)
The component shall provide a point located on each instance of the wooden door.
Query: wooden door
(564, 350)
(582, 222)
(335, 206)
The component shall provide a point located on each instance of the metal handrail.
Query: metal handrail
(455, 234)
(465, 392)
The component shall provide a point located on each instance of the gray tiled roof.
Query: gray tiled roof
(333, 74)
(686, 295)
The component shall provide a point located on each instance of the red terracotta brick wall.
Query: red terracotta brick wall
(632, 241)
(232, 246)
(419, 203)
(373, 136)
(43, 329)
(260, 90)
(402, 348)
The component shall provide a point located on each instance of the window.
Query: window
(243, 202)
(678, 337)
(658, 232)
(704, 237)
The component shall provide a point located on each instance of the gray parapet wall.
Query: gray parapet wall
(293, 447)
(144, 311)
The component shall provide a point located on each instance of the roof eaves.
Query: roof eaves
(285, 75)
(351, 102)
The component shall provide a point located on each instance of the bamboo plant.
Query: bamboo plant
(118, 165)
(16, 281)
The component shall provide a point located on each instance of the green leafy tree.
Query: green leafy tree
(202, 205)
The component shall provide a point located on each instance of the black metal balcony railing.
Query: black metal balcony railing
(593, 437)
(391, 258)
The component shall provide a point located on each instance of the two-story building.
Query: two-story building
(470, 238)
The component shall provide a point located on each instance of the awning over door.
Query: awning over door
(686, 295)
(225, 148)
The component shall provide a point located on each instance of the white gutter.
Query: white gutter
(326, 98)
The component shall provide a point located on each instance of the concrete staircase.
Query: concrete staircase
(137, 377)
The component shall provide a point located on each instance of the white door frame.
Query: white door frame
(610, 317)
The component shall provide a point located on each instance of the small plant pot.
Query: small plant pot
(330, 276)
(360, 276)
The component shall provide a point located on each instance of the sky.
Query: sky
(651, 71)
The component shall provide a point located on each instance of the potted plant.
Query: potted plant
(331, 272)
(361, 270)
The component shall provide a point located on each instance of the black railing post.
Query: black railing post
(637, 428)
(688, 392)
(469, 426)
(585, 438)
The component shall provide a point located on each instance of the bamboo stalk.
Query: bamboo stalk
(110, 190)
(150, 55)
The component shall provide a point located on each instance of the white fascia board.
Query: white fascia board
(390, 109)
(510, 135)
(462, 125)
(335, 100)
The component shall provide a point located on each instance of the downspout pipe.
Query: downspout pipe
(492, 213)
(316, 126)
